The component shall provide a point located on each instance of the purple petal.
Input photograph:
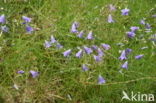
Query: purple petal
(33, 73)
(148, 26)
(125, 11)
(74, 27)
(80, 35)
(90, 36)
(79, 54)
(139, 56)
(128, 51)
(130, 34)
(125, 65)
(84, 67)
(94, 47)
(67, 53)
(29, 29)
(58, 45)
(16, 86)
(100, 52)
(134, 28)
(2, 19)
(101, 80)
(123, 55)
(47, 44)
(97, 58)
(112, 7)
(110, 19)
(52, 39)
(142, 22)
(105, 46)
(4, 28)
(20, 72)
(26, 19)
(88, 50)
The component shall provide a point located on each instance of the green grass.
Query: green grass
(62, 77)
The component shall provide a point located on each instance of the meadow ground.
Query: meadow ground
(61, 79)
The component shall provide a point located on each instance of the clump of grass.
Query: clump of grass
(60, 79)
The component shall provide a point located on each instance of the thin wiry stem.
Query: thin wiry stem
(125, 82)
